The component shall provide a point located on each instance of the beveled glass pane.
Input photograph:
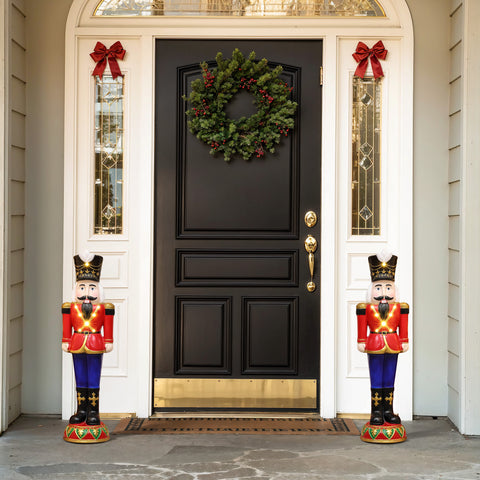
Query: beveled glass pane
(366, 141)
(241, 8)
(109, 136)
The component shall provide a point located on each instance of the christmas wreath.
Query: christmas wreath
(247, 137)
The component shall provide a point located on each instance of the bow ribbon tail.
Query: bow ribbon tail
(376, 66)
(100, 67)
(361, 68)
(114, 67)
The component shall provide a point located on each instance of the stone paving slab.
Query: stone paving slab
(33, 449)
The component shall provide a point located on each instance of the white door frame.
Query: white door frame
(135, 249)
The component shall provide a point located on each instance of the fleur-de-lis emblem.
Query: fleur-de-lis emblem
(93, 399)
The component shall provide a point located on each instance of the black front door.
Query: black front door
(235, 326)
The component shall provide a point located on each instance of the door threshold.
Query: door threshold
(233, 414)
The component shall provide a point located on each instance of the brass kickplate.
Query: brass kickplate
(234, 393)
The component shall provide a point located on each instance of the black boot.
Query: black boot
(376, 417)
(390, 417)
(93, 417)
(81, 414)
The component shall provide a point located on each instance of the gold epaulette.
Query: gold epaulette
(66, 305)
(109, 306)
(404, 308)
(361, 306)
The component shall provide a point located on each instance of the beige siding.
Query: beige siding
(16, 205)
(455, 206)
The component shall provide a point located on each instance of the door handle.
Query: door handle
(311, 247)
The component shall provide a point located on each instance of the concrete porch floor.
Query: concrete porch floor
(33, 448)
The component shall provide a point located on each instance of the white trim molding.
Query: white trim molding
(470, 205)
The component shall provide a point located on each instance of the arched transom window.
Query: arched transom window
(241, 8)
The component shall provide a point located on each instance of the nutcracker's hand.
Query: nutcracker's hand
(404, 347)
(361, 347)
(108, 347)
(65, 347)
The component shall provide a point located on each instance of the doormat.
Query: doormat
(246, 426)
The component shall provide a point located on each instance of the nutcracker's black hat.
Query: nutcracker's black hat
(88, 270)
(382, 270)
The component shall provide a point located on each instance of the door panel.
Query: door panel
(207, 319)
(237, 268)
(230, 265)
(270, 321)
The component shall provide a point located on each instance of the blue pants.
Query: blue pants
(88, 368)
(382, 369)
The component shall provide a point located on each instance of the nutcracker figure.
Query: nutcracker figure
(387, 322)
(83, 321)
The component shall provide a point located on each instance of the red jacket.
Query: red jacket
(94, 341)
(386, 336)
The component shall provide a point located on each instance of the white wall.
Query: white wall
(43, 297)
(44, 204)
(430, 203)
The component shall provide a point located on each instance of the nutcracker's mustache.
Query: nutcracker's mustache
(85, 297)
(383, 298)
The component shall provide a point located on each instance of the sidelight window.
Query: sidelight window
(241, 8)
(366, 139)
(109, 139)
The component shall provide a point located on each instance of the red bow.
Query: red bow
(362, 53)
(101, 54)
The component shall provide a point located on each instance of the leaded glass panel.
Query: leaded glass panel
(366, 142)
(241, 8)
(109, 138)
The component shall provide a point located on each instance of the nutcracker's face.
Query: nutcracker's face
(383, 291)
(87, 290)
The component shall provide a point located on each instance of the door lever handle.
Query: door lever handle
(311, 247)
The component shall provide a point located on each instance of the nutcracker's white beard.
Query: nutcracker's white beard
(101, 296)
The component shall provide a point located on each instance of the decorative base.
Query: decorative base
(83, 433)
(386, 433)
